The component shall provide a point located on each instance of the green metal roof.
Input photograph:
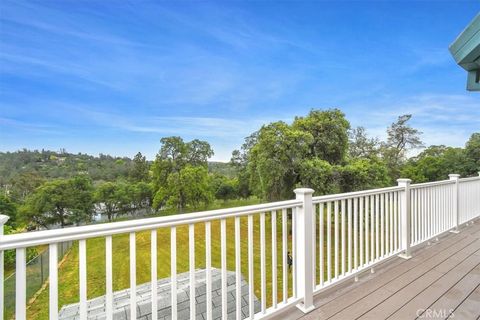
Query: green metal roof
(466, 52)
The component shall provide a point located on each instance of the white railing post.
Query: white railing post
(304, 246)
(456, 218)
(405, 217)
(3, 220)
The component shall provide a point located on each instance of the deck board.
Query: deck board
(329, 304)
(455, 278)
(469, 309)
(423, 290)
(442, 276)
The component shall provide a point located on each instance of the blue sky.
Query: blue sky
(115, 77)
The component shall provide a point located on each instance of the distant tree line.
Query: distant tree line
(44, 189)
(323, 152)
(178, 178)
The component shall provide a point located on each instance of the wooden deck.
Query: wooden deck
(441, 280)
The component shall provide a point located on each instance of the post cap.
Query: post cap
(404, 181)
(3, 219)
(299, 191)
(453, 176)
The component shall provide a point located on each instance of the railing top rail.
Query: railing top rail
(355, 194)
(35, 238)
(431, 184)
(469, 179)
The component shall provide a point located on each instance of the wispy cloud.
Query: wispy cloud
(443, 118)
(205, 127)
(8, 124)
(218, 71)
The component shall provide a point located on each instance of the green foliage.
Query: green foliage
(436, 162)
(225, 169)
(180, 174)
(329, 130)
(472, 150)
(363, 174)
(23, 184)
(280, 156)
(361, 146)
(118, 198)
(175, 154)
(226, 192)
(140, 168)
(113, 198)
(319, 150)
(274, 159)
(223, 187)
(319, 175)
(62, 201)
(142, 195)
(23, 171)
(243, 186)
(10, 255)
(401, 137)
(188, 187)
(8, 208)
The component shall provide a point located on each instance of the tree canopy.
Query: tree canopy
(320, 150)
(63, 202)
(312, 152)
(401, 137)
(329, 131)
(180, 173)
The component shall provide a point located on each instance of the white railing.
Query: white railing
(432, 209)
(332, 238)
(355, 231)
(468, 199)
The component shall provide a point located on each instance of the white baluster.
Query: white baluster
(238, 271)
(361, 230)
(191, 257)
(53, 281)
(263, 276)
(108, 278)
(349, 242)
(208, 257)
(274, 259)
(251, 294)
(455, 194)
(20, 284)
(223, 256)
(133, 277)
(321, 230)
(173, 271)
(344, 214)
(405, 217)
(153, 271)
(355, 233)
(284, 254)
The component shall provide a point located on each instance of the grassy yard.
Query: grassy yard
(68, 272)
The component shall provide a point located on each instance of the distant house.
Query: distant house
(466, 52)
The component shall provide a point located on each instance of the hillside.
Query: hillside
(61, 164)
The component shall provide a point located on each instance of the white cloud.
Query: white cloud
(443, 119)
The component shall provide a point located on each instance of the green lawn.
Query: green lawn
(68, 272)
